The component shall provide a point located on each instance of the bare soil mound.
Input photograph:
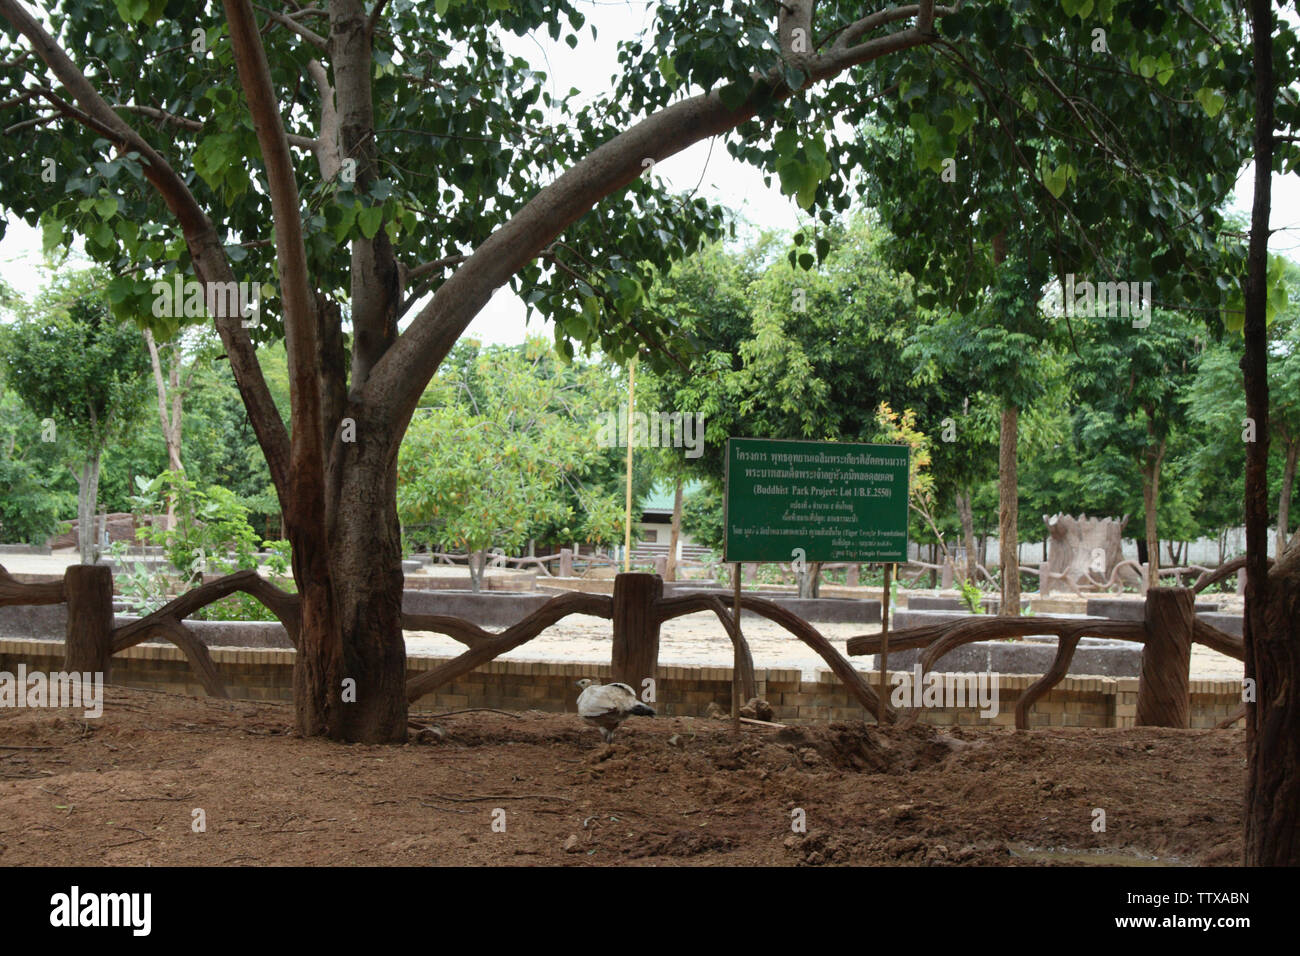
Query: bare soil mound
(124, 789)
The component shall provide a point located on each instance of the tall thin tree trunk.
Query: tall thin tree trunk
(1272, 625)
(1284, 497)
(1008, 511)
(1151, 501)
(170, 418)
(87, 499)
(809, 580)
(675, 536)
(967, 519)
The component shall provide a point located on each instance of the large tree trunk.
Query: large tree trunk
(350, 669)
(1284, 497)
(1008, 511)
(1272, 744)
(967, 519)
(1272, 626)
(675, 537)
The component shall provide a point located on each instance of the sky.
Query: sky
(708, 165)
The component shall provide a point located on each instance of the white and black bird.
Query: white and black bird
(608, 705)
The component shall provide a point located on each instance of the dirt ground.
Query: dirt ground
(124, 790)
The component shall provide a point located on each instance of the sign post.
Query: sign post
(735, 657)
(884, 644)
(817, 501)
(834, 501)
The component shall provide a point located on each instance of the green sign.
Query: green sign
(833, 500)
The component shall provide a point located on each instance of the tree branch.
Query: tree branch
(373, 21)
(375, 278)
(306, 453)
(326, 145)
(401, 374)
(311, 36)
(153, 112)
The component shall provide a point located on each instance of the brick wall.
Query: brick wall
(267, 674)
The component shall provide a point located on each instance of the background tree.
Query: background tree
(1007, 344)
(1027, 137)
(1132, 380)
(1216, 401)
(499, 449)
(706, 296)
(30, 473)
(71, 362)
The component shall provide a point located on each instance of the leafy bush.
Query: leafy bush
(211, 536)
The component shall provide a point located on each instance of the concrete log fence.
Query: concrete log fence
(637, 610)
(1167, 631)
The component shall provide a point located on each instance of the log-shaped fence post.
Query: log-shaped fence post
(636, 628)
(89, 646)
(1163, 686)
(566, 563)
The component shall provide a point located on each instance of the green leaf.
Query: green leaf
(1056, 181)
(51, 235)
(1210, 101)
(132, 11)
(119, 287)
(1234, 311)
(1165, 69)
(347, 216)
(733, 95)
(668, 70)
(369, 218)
